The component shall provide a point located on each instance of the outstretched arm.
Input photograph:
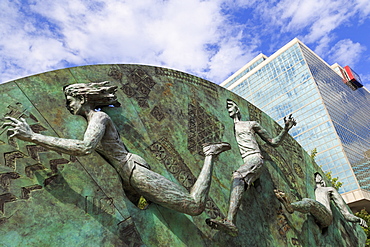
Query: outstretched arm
(289, 123)
(93, 134)
(337, 198)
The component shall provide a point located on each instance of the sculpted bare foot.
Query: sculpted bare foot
(280, 195)
(224, 226)
(215, 148)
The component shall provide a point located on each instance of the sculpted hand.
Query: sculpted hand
(352, 218)
(20, 129)
(289, 123)
(363, 223)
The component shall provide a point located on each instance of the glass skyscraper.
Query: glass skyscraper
(333, 117)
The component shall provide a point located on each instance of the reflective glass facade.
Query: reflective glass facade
(245, 71)
(331, 117)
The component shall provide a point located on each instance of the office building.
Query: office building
(330, 104)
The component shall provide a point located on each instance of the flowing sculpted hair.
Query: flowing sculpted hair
(100, 94)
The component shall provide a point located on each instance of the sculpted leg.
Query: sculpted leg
(200, 189)
(243, 178)
(322, 215)
(156, 188)
(162, 191)
(237, 191)
(228, 225)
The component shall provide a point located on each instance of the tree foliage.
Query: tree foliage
(366, 216)
(313, 154)
(334, 181)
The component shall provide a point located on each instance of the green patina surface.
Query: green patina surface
(48, 198)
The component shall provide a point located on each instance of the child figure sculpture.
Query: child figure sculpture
(320, 208)
(251, 169)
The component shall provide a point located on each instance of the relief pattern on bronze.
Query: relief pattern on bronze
(139, 86)
(164, 152)
(27, 170)
(202, 128)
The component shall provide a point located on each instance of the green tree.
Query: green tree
(334, 181)
(366, 216)
(313, 154)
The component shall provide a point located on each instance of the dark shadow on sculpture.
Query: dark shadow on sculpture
(168, 216)
(60, 189)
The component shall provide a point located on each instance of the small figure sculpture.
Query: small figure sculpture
(101, 135)
(251, 169)
(320, 208)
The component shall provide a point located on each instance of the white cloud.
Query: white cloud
(196, 36)
(50, 34)
(346, 52)
(232, 55)
(323, 45)
(320, 17)
(364, 8)
(365, 78)
(316, 18)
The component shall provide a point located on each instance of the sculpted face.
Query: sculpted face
(74, 104)
(232, 108)
(320, 180)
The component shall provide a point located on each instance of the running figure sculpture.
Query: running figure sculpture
(102, 136)
(251, 169)
(320, 208)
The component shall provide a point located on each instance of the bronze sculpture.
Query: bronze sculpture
(251, 169)
(101, 135)
(320, 208)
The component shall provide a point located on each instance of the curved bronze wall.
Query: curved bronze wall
(165, 116)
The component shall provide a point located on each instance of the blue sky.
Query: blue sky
(210, 39)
